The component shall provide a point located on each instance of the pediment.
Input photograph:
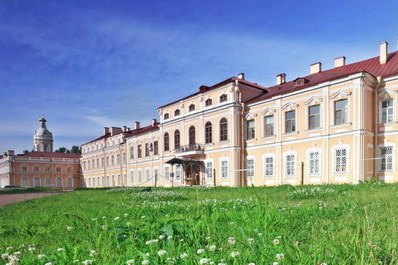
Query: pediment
(340, 94)
(313, 101)
(290, 106)
(269, 111)
(386, 93)
(250, 116)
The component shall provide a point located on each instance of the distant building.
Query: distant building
(42, 167)
(332, 126)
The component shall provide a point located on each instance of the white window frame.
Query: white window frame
(139, 176)
(224, 159)
(309, 115)
(381, 111)
(294, 119)
(166, 171)
(147, 174)
(132, 176)
(381, 158)
(347, 112)
(285, 168)
(211, 175)
(265, 165)
(252, 170)
(273, 125)
(309, 152)
(335, 148)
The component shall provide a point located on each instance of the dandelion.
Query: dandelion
(130, 262)
(17, 253)
(184, 256)
(260, 234)
(60, 249)
(275, 263)
(86, 262)
(252, 263)
(40, 256)
(69, 228)
(181, 240)
(8, 248)
(212, 247)
(128, 224)
(48, 263)
(147, 254)
(5, 255)
(280, 256)
(31, 248)
(234, 254)
(200, 251)
(94, 219)
(204, 261)
(145, 262)
(220, 263)
(150, 242)
(116, 218)
(170, 237)
(161, 237)
(207, 238)
(250, 240)
(142, 217)
(231, 240)
(126, 214)
(276, 241)
(104, 227)
(232, 223)
(162, 252)
(93, 252)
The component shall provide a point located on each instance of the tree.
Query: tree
(25, 152)
(61, 150)
(75, 149)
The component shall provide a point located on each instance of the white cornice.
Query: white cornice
(340, 94)
(313, 101)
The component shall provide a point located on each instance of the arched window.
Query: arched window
(25, 182)
(166, 142)
(166, 116)
(192, 107)
(208, 133)
(223, 129)
(176, 112)
(48, 182)
(36, 182)
(208, 102)
(69, 182)
(59, 183)
(191, 135)
(223, 98)
(176, 139)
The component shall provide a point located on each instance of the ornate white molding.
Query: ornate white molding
(313, 101)
(340, 94)
(387, 93)
(290, 106)
(269, 111)
(250, 116)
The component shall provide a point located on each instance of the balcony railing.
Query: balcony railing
(197, 148)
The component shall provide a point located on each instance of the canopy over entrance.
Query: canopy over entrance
(191, 169)
(184, 161)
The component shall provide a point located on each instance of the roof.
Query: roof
(52, 154)
(128, 133)
(371, 66)
(203, 89)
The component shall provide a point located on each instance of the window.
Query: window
(132, 152)
(166, 172)
(69, 169)
(113, 160)
(314, 119)
(177, 112)
(25, 182)
(48, 182)
(290, 121)
(208, 102)
(290, 165)
(313, 162)
(131, 176)
(148, 174)
(176, 139)
(147, 149)
(24, 168)
(139, 151)
(124, 158)
(47, 169)
(58, 169)
(209, 170)
(340, 163)
(36, 168)
(59, 182)
(117, 159)
(191, 135)
(69, 182)
(166, 142)
(269, 166)
(107, 161)
(208, 133)
(223, 98)
(250, 129)
(387, 111)
(192, 107)
(102, 161)
(250, 168)
(224, 169)
(269, 125)
(223, 129)
(340, 112)
(36, 182)
(156, 148)
(386, 159)
(178, 173)
(166, 116)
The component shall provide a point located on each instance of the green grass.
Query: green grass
(24, 190)
(308, 225)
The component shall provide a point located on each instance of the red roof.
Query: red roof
(371, 66)
(203, 89)
(52, 154)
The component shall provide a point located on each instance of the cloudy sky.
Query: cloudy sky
(90, 64)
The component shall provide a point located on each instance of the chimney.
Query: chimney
(106, 130)
(124, 128)
(136, 125)
(281, 79)
(315, 68)
(383, 52)
(340, 61)
(115, 130)
(10, 152)
(154, 122)
(241, 76)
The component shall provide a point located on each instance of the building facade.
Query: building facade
(41, 167)
(332, 126)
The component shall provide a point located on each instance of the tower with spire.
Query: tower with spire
(42, 138)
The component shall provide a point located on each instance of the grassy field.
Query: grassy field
(275, 225)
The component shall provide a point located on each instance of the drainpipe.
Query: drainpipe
(242, 149)
(375, 142)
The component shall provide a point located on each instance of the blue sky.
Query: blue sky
(90, 64)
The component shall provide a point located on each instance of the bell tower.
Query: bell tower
(43, 138)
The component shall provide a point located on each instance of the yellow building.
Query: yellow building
(332, 126)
